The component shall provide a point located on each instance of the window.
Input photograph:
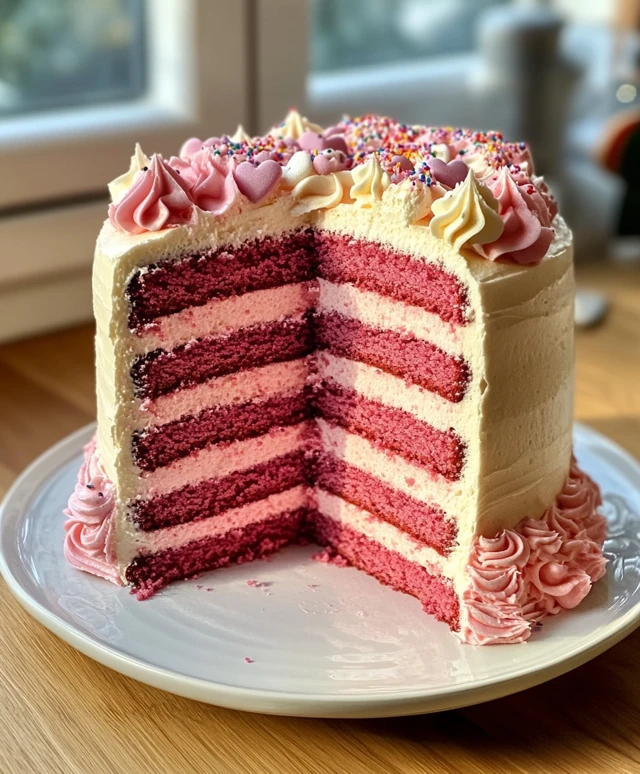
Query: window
(70, 53)
(376, 32)
(80, 82)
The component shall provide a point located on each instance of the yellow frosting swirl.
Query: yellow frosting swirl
(294, 126)
(322, 192)
(298, 168)
(119, 186)
(467, 215)
(240, 135)
(370, 181)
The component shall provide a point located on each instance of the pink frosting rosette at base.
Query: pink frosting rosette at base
(159, 198)
(88, 543)
(539, 568)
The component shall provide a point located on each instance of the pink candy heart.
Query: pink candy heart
(405, 163)
(312, 141)
(448, 174)
(257, 182)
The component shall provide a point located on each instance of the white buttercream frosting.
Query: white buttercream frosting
(516, 415)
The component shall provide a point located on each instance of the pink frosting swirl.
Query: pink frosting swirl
(494, 623)
(577, 506)
(507, 549)
(541, 567)
(563, 582)
(210, 179)
(158, 199)
(543, 542)
(502, 584)
(526, 238)
(88, 543)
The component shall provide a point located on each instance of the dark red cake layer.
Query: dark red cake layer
(373, 267)
(171, 286)
(217, 495)
(438, 451)
(423, 521)
(161, 445)
(148, 573)
(414, 360)
(161, 371)
(434, 592)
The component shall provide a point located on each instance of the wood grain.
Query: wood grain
(62, 712)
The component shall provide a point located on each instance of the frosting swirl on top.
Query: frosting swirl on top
(466, 215)
(159, 198)
(527, 234)
(88, 541)
(294, 126)
(380, 153)
(212, 187)
(322, 192)
(370, 181)
(119, 186)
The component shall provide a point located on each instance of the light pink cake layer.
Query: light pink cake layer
(398, 473)
(236, 518)
(390, 390)
(220, 460)
(239, 387)
(379, 311)
(221, 316)
(380, 531)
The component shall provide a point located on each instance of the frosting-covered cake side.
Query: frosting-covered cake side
(360, 336)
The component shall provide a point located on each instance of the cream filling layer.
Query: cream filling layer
(236, 518)
(383, 312)
(222, 459)
(221, 316)
(239, 387)
(380, 531)
(391, 469)
(392, 391)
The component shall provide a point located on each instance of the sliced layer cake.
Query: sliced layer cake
(361, 337)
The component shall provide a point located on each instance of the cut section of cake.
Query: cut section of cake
(361, 337)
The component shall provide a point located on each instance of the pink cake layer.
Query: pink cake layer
(163, 444)
(240, 387)
(148, 573)
(424, 521)
(374, 267)
(414, 360)
(434, 592)
(161, 371)
(440, 452)
(217, 495)
(171, 286)
(223, 459)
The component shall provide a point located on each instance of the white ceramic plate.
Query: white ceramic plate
(308, 638)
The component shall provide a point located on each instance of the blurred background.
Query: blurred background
(82, 80)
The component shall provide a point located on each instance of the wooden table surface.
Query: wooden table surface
(62, 712)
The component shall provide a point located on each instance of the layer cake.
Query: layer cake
(360, 336)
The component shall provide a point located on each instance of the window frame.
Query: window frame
(194, 50)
